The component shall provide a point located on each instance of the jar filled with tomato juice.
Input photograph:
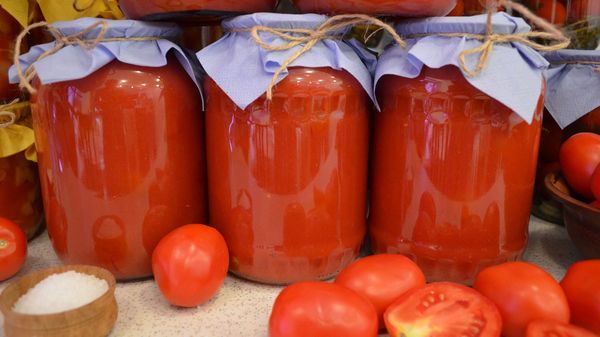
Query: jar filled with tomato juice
(287, 176)
(453, 155)
(406, 8)
(158, 9)
(120, 141)
(20, 194)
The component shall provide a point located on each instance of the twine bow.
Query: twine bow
(61, 41)
(308, 38)
(7, 117)
(484, 51)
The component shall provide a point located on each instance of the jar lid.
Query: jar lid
(251, 67)
(98, 42)
(573, 84)
(513, 73)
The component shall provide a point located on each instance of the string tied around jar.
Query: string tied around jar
(549, 33)
(61, 41)
(308, 38)
(7, 116)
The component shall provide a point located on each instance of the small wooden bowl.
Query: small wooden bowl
(581, 220)
(93, 319)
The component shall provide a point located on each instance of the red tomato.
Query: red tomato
(459, 9)
(596, 204)
(548, 328)
(445, 310)
(582, 287)
(319, 309)
(523, 292)
(13, 248)
(579, 157)
(553, 11)
(595, 183)
(382, 279)
(190, 264)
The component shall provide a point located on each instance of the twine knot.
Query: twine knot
(308, 38)
(7, 117)
(550, 33)
(61, 41)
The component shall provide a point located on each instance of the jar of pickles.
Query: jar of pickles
(119, 135)
(20, 194)
(454, 152)
(287, 175)
(580, 19)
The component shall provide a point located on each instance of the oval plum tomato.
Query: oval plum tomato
(319, 309)
(13, 248)
(523, 292)
(595, 183)
(582, 287)
(190, 264)
(382, 279)
(548, 328)
(444, 310)
(579, 158)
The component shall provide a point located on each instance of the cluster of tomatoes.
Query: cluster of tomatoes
(515, 299)
(579, 160)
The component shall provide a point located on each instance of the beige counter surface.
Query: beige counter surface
(242, 308)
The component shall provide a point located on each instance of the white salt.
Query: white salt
(61, 292)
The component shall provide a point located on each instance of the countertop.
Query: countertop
(242, 308)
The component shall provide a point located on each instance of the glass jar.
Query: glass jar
(20, 195)
(287, 177)
(9, 29)
(409, 8)
(580, 19)
(452, 175)
(121, 160)
(137, 9)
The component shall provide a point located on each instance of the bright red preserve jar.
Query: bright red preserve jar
(452, 175)
(137, 9)
(287, 177)
(408, 8)
(120, 148)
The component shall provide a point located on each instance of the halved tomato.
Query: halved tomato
(443, 310)
(549, 328)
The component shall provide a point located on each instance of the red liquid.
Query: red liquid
(9, 29)
(412, 8)
(287, 178)
(135, 9)
(20, 195)
(121, 162)
(452, 175)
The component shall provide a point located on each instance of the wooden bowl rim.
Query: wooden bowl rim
(10, 315)
(562, 197)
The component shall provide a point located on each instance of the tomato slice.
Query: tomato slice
(549, 328)
(443, 310)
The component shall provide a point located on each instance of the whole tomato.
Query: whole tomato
(443, 309)
(13, 248)
(553, 11)
(190, 264)
(319, 309)
(579, 157)
(548, 328)
(523, 293)
(582, 287)
(382, 279)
